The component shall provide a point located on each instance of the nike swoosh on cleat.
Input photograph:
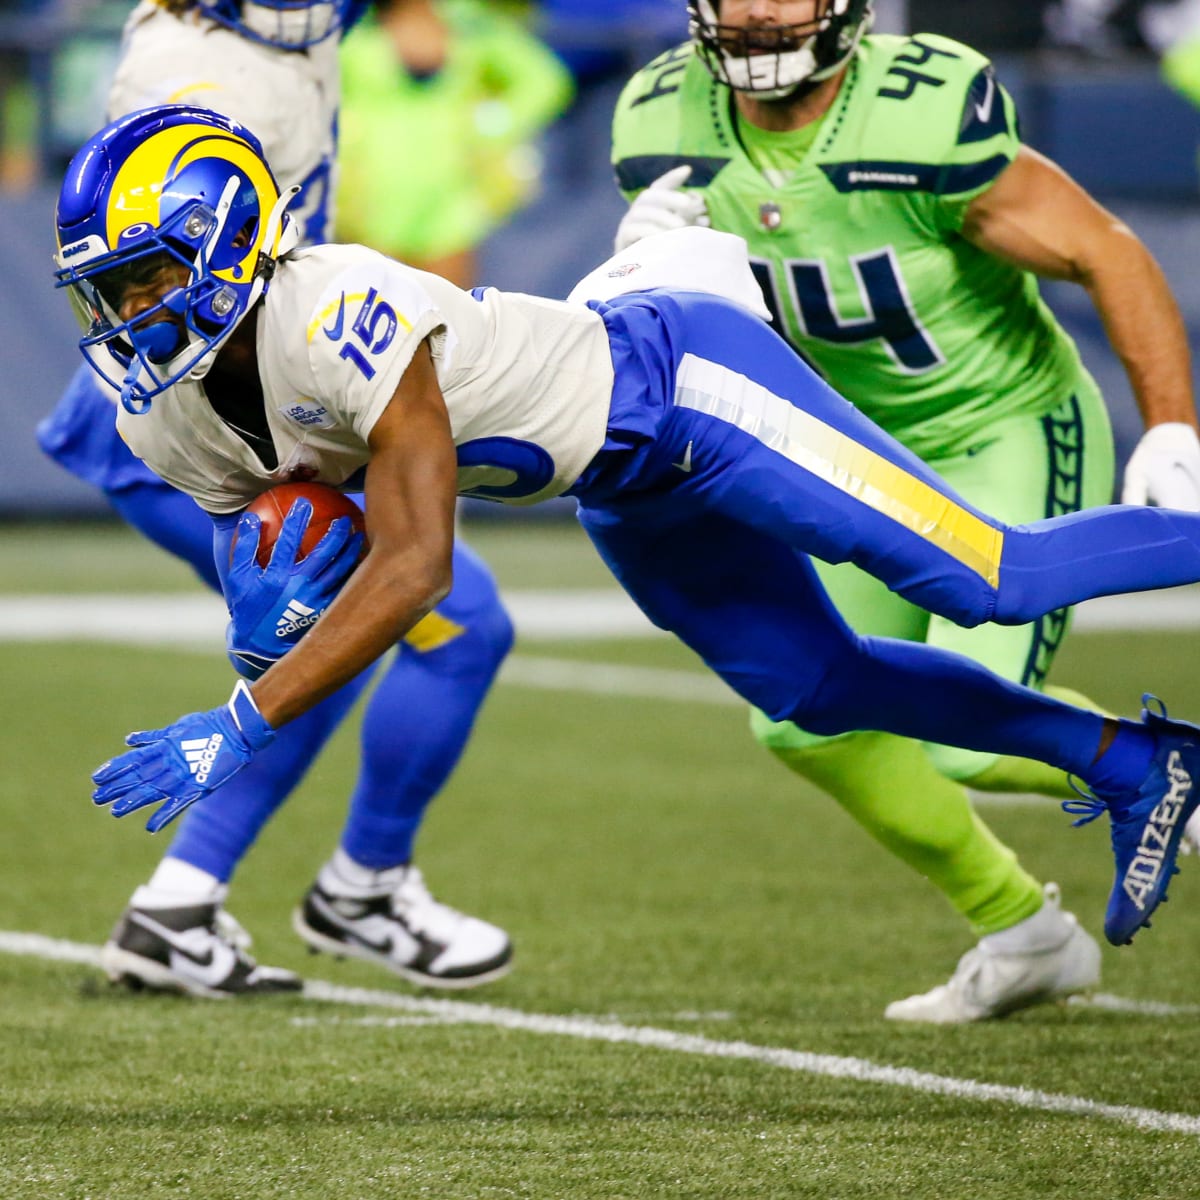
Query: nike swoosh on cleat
(169, 936)
(383, 947)
(224, 963)
(331, 914)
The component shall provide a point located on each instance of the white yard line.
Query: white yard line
(1143, 1008)
(858, 1070)
(195, 624)
(197, 621)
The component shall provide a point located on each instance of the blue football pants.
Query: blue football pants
(756, 464)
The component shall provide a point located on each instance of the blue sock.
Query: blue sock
(420, 716)
(932, 695)
(1124, 764)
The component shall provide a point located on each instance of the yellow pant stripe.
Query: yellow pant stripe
(432, 632)
(847, 465)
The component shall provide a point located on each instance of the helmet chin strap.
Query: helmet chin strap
(128, 403)
(795, 91)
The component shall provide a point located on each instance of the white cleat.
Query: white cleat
(196, 949)
(1190, 843)
(406, 931)
(1046, 957)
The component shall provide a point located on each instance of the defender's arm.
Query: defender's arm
(1036, 217)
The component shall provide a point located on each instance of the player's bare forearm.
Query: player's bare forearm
(1036, 217)
(384, 598)
(410, 496)
(1146, 330)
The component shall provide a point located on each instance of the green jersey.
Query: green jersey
(857, 244)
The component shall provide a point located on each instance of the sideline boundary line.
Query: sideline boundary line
(857, 1070)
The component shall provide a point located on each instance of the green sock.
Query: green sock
(890, 787)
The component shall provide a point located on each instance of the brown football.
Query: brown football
(327, 505)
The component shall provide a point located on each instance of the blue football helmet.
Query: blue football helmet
(774, 61)
(173, 193)
(284, 24)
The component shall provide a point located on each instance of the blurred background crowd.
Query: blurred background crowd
(489, 119)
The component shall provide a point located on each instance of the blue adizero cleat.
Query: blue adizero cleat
(1147, 825)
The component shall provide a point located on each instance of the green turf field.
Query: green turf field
(682, 908)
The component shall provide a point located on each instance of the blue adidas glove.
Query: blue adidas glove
(272, 607)
(183, 762)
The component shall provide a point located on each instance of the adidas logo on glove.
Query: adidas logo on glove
(201, 753)
(296, 617)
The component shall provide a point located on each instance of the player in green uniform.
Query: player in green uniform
(896, 225)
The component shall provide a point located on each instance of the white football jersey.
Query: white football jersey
(287, 99)
(527, 384)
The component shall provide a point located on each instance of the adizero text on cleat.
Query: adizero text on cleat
(1147, 825)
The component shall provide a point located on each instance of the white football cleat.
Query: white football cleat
(196, 949)
(405, 930)
(1190, 842)
(1046, 957)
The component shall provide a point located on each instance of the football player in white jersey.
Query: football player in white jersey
(274, 65)
(708, 460)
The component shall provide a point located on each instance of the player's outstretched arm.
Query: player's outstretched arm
(411, 487)
(410, 497)
(1036, 217)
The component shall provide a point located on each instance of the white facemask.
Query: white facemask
(775, 75)
(297, 26)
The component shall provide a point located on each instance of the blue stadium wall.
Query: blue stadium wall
(1115, 128)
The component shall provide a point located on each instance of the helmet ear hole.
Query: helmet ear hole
(245, 235)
